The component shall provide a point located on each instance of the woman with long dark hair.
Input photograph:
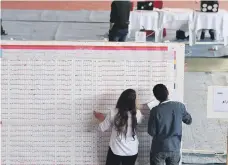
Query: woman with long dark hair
(123, 146)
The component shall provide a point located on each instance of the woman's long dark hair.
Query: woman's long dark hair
(126, 103)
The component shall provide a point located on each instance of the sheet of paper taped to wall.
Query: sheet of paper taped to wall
(220, 99)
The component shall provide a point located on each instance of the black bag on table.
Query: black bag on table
(180, 35)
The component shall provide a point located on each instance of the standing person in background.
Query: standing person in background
(123, 146)
(119, 20)
(3, 32)
(165, 126)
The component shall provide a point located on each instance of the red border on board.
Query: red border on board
(75, 47)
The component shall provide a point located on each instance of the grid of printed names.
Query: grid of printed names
(48, 98)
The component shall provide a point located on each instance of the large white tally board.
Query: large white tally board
(50, 89)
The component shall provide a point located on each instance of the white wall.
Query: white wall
(203, 134)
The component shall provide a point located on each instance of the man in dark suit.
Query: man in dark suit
(165, 126)
(119, 20)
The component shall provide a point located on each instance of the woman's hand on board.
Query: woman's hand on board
(99, 116)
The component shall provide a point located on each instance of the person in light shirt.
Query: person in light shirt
(123, 120)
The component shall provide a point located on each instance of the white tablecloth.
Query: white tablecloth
(184, 19)
(225, 28)
(176, 18)
(207, 21)
(144, 20)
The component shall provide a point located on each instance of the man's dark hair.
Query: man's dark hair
(160, 92)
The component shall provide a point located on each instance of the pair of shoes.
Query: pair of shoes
(211, 32)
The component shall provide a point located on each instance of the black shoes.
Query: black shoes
(211, 32)
(202, 35)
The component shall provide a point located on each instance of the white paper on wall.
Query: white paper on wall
(221, 99)
(217, 102)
